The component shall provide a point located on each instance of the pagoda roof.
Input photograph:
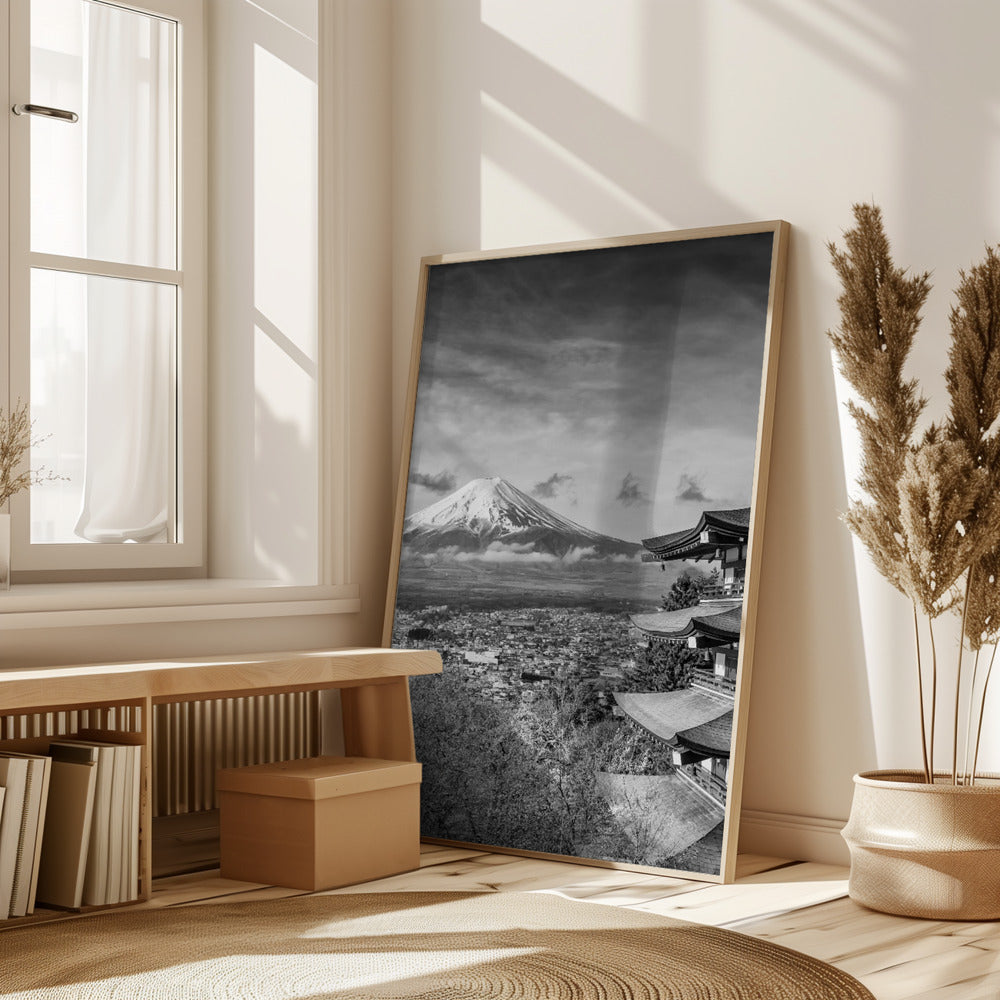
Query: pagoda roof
(665, 810)
(716, 619)
(724, 527)
(713, 737)
(668, 714)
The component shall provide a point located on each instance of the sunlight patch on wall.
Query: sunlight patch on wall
(285, 504)
(836, 54)
(285, 198)
(560, 181)
(557, 35)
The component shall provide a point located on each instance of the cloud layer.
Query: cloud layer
(443, 482)
(520, 553)
(552, 487)
(631, 493)
(689, 488)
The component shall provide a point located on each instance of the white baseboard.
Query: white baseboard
(798, 838)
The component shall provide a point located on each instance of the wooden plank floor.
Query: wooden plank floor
(800, 905)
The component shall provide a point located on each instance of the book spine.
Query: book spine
(10, 821)
(46, 769)
(25, 854)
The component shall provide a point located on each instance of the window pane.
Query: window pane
(102, 360)
(105, 187)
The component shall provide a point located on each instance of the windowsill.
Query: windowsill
(53, 605)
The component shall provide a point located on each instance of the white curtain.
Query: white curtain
(130, 156)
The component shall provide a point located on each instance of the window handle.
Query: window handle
(41, 109)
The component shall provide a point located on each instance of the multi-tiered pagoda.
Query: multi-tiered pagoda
(697, 721)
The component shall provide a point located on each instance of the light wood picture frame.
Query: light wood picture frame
(578, 532)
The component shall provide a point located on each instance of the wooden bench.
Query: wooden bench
(116, 701)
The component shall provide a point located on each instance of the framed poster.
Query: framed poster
(578, 533)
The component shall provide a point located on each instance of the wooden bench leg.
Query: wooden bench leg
(378, 721)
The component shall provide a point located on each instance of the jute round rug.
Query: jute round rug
(429, 945)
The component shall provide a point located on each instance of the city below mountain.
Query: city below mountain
(494, 520)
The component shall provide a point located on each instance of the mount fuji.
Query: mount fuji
(495, 519)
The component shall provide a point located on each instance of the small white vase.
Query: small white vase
(4, 551)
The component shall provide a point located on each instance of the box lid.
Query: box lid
(319, 777)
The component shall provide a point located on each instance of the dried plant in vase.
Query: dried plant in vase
(16, 441)
(929, 517)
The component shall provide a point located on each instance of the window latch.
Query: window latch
(41, 109)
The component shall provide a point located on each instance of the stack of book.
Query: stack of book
(69, 826)
(25, 781)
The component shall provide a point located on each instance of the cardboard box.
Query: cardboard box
(321, 822)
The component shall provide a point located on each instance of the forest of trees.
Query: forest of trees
(524, 773)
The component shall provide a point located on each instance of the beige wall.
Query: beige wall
(530, 121)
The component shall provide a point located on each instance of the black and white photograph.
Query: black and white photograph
(579, 504)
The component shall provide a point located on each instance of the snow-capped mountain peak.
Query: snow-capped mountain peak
(487, 513)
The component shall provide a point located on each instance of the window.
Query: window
(263, 386)
(107, 264)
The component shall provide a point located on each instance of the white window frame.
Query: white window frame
(188, 551)
(83, 600)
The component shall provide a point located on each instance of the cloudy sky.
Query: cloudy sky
(620, 387)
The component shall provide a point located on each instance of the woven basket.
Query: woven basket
(923, 850)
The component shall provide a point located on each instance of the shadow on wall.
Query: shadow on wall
(606, 170)
(933, 65)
